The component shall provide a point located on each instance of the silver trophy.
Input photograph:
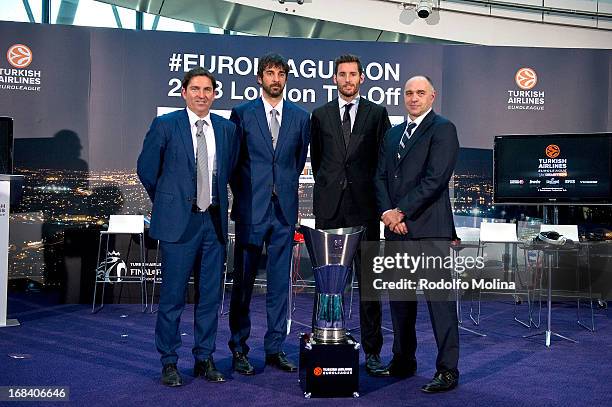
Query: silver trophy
(331, 254)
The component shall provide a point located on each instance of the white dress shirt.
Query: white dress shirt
(417, 121)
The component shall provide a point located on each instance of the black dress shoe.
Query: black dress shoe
(442, 381)
(171, 376)
(402, 369)
(241, 364)
(280, 361)
(206, 368)
(374, 366)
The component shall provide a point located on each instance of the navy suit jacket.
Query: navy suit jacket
(417, 182)
(261, 168)
(167, 170)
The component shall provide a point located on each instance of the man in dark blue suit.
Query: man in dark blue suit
(185, 164)
(416, 161)
(274, 135)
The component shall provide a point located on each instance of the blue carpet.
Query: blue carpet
(109, 359)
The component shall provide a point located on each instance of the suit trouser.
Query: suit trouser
(442, 311)
(200, 249)
(277, 235)
(370, 312)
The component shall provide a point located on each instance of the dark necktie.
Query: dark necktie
(404, 140)
(203, 197)
(346, 124)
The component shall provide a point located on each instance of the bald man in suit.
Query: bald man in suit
(416, 161)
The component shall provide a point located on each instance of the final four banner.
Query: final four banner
(83, 99)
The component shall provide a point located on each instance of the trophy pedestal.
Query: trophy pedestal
(329, 369)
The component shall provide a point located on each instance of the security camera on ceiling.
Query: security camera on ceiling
(424, 8)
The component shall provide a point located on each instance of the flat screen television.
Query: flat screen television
(553, 169)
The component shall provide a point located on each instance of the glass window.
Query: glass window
(95, 14)
(15, 10)
(166, 24)
(128, 17)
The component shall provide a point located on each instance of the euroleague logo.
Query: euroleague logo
(526, 97)
(317, 371)
(526, 78)
(19, 56)
(552, 151)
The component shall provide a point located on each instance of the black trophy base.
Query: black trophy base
(329, 370)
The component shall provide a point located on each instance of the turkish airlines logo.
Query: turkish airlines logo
(526, 78)
(19, 55)
(318, 371)
(552, 151)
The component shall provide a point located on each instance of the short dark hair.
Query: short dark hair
(272, 61)
(348, 58)
(198, 71)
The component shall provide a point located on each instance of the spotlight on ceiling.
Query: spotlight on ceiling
(424, 8)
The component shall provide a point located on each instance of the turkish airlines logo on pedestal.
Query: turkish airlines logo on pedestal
(19, 56)
(526, 78)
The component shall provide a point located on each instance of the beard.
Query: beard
(348, 91)
(273, 90)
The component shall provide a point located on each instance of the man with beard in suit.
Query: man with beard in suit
(274, 136)
(345, 137)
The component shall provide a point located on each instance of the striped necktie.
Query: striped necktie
(405, 137)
